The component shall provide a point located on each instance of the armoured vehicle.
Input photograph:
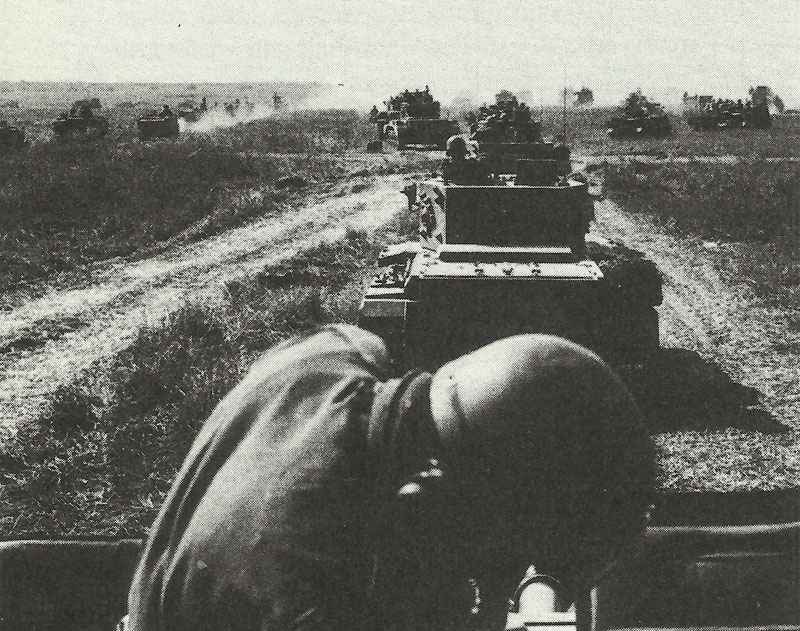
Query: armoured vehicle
(507, 131)
(710, 113)
(639, 117)
(507, 121)
(191, 111)
(504, 252)
(82, 120)
(413, 118)
(11, 137)
(716, 572)
(163, 124)
(730, 115)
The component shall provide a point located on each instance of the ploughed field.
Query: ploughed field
(139, 281)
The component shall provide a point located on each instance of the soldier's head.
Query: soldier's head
(548, 452)
(457, 148)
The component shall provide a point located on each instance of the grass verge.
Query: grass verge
(102, 460)
(754, 204)
(66, 204)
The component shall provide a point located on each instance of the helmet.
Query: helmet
(549, 451)
(457, 148)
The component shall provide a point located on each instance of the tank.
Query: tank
(82, 120)
(730, 115)
(155, 124)
(413, 118)
(191, 111)
(506, 132)
(639, 117)
(11, 137)
(501, 253)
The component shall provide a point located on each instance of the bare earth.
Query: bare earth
(47, 341)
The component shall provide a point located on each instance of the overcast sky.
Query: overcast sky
(377, 46)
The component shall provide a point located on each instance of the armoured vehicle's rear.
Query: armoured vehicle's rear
(504, 253)
(412, 119)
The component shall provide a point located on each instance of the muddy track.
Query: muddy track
(721, 319)
(49, 340)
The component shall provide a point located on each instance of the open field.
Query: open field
(101, 460)
(756, 203)
(64, 205)
(586, 133)
(139, 280)
(726, 239)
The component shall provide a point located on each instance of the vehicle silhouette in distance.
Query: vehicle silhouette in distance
(158, 124)
(81, 121)
(639, 117)
(412, 119)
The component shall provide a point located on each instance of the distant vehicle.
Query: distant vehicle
(277, 101)
(82, 120)
(163, 124)
(639, 117)
(717, 114)
(11, 137)
(730, 117)
(191, 111)
(10, 104)
(413, 118)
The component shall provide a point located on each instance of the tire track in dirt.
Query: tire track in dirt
(100, 320)
(723, 321)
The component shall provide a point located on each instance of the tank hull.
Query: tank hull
(757, 118)
(158, 127)
(655, 126)
(77, 127)
(711, 573)
(494, 261)
(419, 132)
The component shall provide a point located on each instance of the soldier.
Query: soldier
(324, 494)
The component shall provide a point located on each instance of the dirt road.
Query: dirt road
(47, 341)
(722, 320)
(750, 340)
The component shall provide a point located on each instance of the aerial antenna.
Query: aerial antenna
(564, 111)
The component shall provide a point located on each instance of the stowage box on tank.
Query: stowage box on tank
(504, 257)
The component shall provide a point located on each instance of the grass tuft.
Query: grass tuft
(101, 465)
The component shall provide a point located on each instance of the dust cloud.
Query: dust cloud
(220, 118)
